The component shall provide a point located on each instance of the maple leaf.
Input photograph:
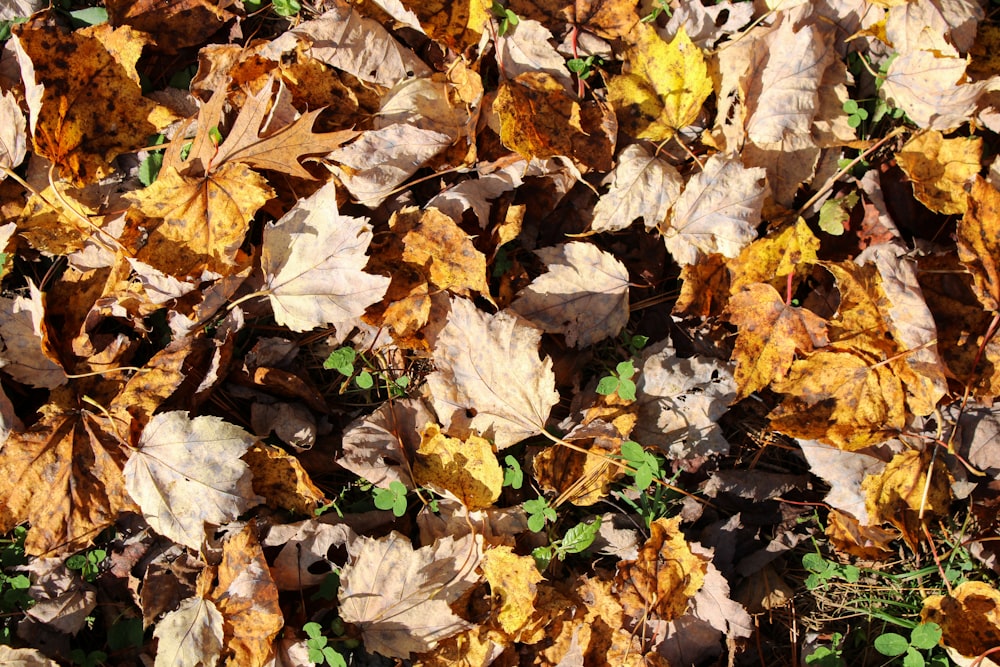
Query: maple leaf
(64, 476)
(303, 556)
(940, 169)
(666, 87)
(902, 495)
(189, 635)
(583, 295)
(187, 472)
(717, 212)
(312, 259)
(184, 23)
(978, 247)
(770, 334)
(487, 365)
(771, 259)
(399, 595)
(526, 48)
(644, 187)
(434, 242)
(25, 657)
(610, 19)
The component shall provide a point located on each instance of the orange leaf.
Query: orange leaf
(969, 617)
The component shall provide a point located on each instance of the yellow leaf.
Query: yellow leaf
(940, 169)
(281, 479)
(665, 88)
(969, 617)
(513, 580)
(978, 239)
(899, 493)
(469, 469)
(771, 259)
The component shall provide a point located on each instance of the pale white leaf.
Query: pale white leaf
(187, 472)
(303, 554)
(583, 295)
(489, 378)
(424, 104)
(928, 86)
(24, 657)
(344, 39)
(705, 25)
(527, 48)
(380, 160)
(313, 260)
(843, 471)
(644, 187)
(910, 26)
(189, 636)
(380, 447)
(13, 138)
(399, 596)
(718, 211)
(680, 402)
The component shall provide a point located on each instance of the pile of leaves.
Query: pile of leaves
(523, 333)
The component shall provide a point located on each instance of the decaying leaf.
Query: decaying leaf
(187, 473)
(489, 378)
(513, 580)
(940, 169)
(978, 246)
(903, 496)
(969, 617)
(583, 295)
(398, 596)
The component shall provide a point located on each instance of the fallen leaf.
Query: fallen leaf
(770, 334)
(435, 243)
(13, 139)
(513, 580)
(644, 187)
(929, 86)
(902, 495)
(380, 447)
(398, 596)
(303, 560)
(526, 48)
(184, 23)
(665, 576)
(608, 18)
(843, 471)
(978, 246)
(583, 294)
(458, 25)
(189, 635)
(718, 211)
(489, 378)
(186, 473)
(468, 470)
(28, 355)
(665, 88)
(585, 477)
(247, 598)
(771, 259)
(281, 480)
(940, 169)
(313, 259)
(969, 617)
(25, 657)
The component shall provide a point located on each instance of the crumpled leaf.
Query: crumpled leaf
(313, 260)
(181, 24)
(526, 48)
(189, 635)
(770, 333)
(969, 617)
(902, 496)
(187, 473)
(680, 402)
(940, 169)
(644, 187)
(978, 237)
(304, 548)
(928, 86)
(26, 353)
(381, 446)
(13, 140)
(843, 471)
(487, 365)
(665, 576)
(718, 211)
(665, 88)
(583, 295)
(398, 596)
(248, 600)
(469, 470)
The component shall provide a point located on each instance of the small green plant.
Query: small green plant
(92, 659)
(645, 466)
(856, 114)
(661, 7)
(513, 476)
(149, 168)
(539, 511)
(828, 655)
(319, 652)
(392, 498)
(88, 564)
(14, 597)
(346, 361)
(583, 67)
(922, 638)
(577, 539)
(506, 18)
(619, 381)
(822, 571)
(634, 343)
(286, 8)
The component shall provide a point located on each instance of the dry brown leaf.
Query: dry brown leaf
(281, 480)
(433, 242)
(181, 24)
(771, 259)
(583, 294)
(13, 139)
(969, 617)
(27, 354)
(380, 447)
(398, 596)
(304, 557)
(979, 242)
(488, 365)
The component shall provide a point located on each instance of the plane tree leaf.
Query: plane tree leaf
(489, 378)
(399, 596)
(583, 295)
(186, 473)
(313, 260)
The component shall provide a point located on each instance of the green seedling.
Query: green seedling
(149, 168)
(513, 476)
(286, 8)
(346, 361)
(392, 498)
(538, 511)
(645, 467)
(828, 655)
(505, 18)
(661, 7)
(577, 539)
(634, 343)
(822, 570)
(88, 564)
(922, 638)
(319, 652)
(856, 114)
(620, 381)
(583, 67)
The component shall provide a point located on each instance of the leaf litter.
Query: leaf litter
(348, 301)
